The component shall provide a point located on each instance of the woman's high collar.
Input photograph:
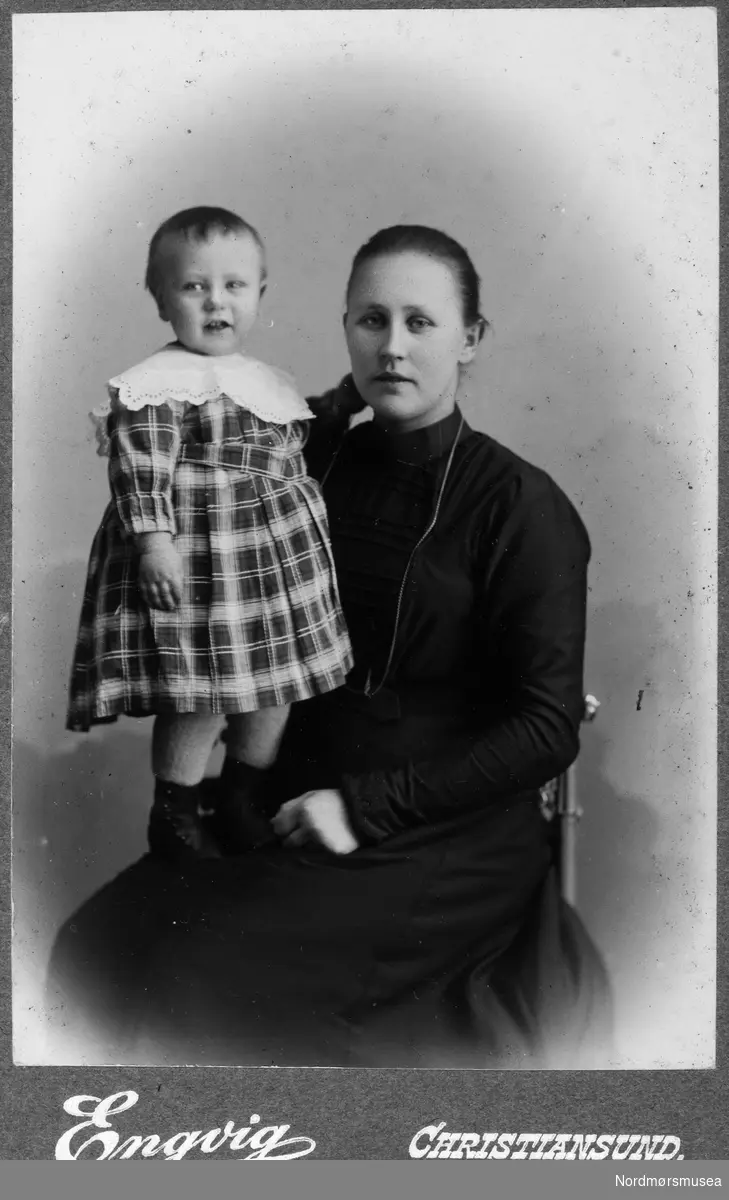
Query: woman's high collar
(420, 446)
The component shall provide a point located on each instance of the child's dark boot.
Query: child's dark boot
(241, 820)
(176, 830)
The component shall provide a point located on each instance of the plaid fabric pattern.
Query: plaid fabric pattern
(260, 621)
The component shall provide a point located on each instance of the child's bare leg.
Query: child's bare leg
(181, 745)
(255, 737)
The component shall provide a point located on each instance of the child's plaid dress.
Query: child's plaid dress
(260, 621)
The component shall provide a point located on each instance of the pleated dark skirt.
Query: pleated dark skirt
(445, 946)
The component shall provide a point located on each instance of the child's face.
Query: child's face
(211, 290)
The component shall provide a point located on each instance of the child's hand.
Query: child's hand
(160, 575)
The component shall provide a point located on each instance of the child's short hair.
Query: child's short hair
(197, 224)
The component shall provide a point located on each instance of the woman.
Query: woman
(408, 915)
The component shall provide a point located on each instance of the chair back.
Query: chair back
(560, 802)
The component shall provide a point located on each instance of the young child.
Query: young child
(211, 595)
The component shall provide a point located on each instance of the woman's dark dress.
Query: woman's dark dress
(442, 940)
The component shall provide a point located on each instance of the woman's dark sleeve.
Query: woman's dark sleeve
(333, 412)
(533, 586)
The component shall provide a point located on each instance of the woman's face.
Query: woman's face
(407, 338)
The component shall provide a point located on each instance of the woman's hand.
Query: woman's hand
(319, 816)
(338, 404)
(160, 573)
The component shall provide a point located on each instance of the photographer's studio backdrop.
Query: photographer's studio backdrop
(574, 154)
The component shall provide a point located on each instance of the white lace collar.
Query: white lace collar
(175, 373)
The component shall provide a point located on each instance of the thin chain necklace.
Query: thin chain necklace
(369, 690)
